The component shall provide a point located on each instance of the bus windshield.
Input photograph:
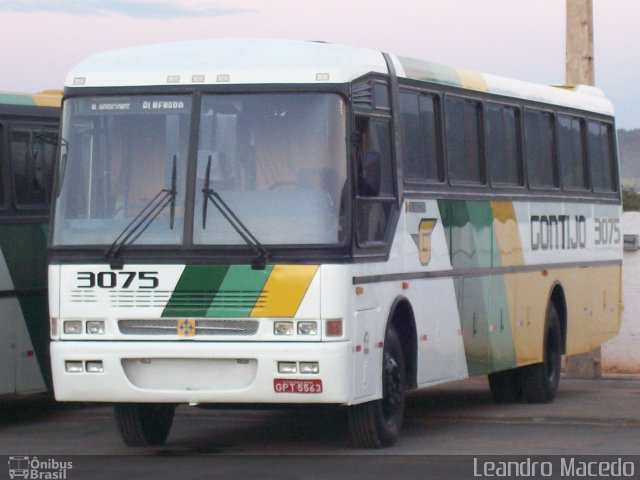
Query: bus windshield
(276, 160)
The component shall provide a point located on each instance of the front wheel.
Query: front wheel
(144, 425)
(376, 424)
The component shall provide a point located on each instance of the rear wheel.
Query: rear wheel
(506, 386)
(540, 381)
(377, 424)
(144, 425)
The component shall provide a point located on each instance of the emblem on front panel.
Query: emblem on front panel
(186, 327)
(425, 228)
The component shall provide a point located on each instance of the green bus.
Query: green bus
(28, 143)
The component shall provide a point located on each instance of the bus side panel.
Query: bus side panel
(24, 323)
(436, 302)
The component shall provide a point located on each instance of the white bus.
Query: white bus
(251, 222)
(28, 142)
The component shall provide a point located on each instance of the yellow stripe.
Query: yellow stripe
(472, 80)
(507, 234)
(50, 98)
(284, 290)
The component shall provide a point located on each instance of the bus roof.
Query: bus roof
(49, 98)
(259, 61)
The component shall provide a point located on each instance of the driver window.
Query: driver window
(375, 178)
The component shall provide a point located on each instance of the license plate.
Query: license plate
(289, 385)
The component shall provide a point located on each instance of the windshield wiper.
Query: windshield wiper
(144, 218)
(258, 263)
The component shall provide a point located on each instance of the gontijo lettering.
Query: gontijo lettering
(558, 232)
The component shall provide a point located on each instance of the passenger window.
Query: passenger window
(419, 137)
(464, 147)
(572, 152)
(504, 152)
(601, 159)
(539, 144)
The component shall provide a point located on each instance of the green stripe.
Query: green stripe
(430, 72)
(195, 290)
(481, 300)
(238, 292)
(16, 99)
(216, 291)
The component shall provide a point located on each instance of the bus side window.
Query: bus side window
(539, 146)
(419, 133)
(32, 156)
(572, 152)
(464, 144)
(601, 159)
(504, 151)
(374, 179)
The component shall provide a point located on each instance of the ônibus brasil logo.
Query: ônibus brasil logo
(38, 469)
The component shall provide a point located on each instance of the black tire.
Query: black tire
(144, 425)
(540, 381)
(377, 424)
(506, 386)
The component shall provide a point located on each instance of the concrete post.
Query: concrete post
(580, 70)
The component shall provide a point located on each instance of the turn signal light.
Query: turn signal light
(333, 327)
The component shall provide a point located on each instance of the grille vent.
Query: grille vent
(204, 327)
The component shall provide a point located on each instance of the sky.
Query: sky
(524, 39)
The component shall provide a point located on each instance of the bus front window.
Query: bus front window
(119, 153)
(278, 161)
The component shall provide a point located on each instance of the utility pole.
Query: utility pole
(579, 50)
(579, 70)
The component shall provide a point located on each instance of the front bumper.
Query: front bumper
(199, 372)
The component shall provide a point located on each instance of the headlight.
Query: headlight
(307, 328)
(73, 327)
(283, 328)
(95, 327)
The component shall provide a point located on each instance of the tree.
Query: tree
(630, 200)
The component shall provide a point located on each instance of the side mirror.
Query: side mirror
(369, 177)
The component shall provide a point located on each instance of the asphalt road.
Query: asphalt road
(588, 417)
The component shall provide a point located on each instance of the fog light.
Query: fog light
(73, 327)
(287, 367)
(309, 367)
(73, 366)
(333, 327)
(283, 328)
(95, 327)
(94, 366)
(307, 328)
